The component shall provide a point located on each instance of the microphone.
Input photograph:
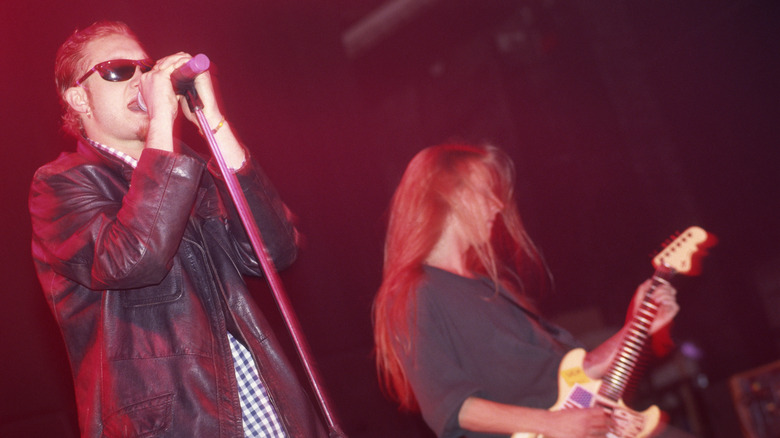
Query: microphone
(187, 72)
(184, 75)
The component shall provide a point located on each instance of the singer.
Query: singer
(140, 254)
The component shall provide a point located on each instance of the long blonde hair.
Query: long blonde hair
(420, 206)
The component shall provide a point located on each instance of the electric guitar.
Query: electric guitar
(576, 390)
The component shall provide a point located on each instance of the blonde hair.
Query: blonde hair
(69, 65)
(423, 200)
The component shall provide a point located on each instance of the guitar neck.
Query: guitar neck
(620, 371)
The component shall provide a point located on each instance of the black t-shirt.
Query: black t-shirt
(472, 340)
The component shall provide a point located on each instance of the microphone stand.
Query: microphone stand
(196, 107)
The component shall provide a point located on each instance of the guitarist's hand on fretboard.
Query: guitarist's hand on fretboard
(663, 296)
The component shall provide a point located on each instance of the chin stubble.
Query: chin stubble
(143, 131)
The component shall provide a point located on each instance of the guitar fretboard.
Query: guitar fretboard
(620, 372)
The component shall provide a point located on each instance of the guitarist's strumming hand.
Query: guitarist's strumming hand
(664, 296)
(576, 423)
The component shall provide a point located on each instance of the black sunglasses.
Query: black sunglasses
(118, 70)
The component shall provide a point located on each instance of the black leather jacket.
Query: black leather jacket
(143, 272)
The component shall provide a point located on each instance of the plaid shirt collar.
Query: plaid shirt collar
(132, 162)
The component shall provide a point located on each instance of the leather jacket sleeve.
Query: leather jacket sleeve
(87, 231)
(268, 213)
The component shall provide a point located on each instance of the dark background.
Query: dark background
(628, 121)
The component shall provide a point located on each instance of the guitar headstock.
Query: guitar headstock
(684, 252)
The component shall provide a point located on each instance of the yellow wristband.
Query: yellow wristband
(219, 125)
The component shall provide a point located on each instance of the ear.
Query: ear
(77, 99)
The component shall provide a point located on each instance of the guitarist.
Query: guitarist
(456, 336)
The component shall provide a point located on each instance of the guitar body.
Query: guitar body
(577, 390)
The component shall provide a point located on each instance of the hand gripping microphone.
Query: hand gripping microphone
(183, 77)
(192, 68)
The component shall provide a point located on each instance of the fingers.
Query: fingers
(594, 421)
(665, 294)
(665, 298)
(587, 422)
(202, 82)
(598, 424)
(172, 62)
(157, 85)
(159, 75)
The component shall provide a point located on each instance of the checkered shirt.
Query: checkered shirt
(132, 162)
(260, 419)
(257, 413)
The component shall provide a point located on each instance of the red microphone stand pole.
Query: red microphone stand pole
(196, 107)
